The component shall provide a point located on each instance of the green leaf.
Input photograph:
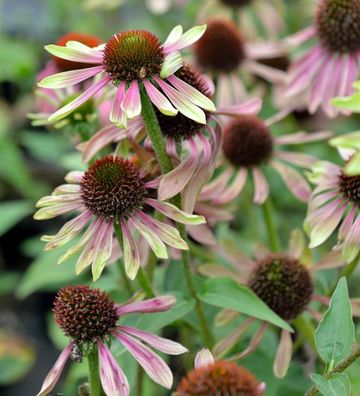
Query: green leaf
(45, 274)
(338, 384)
(351, 103)
(156, 321)
(12, 212)
(226, 293)
(335, 333)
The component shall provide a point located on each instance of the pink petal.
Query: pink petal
(251, 106)
(154, 366)
(131, 103)
(157, 304)
(301, 36)
(261, 186)
(159, 100)
(64, 111)
(131, 252)
(162, 344)
(113, 379)
(234, 189)
(202, 234)
(117, 115)
(54, 374)
(294, 180)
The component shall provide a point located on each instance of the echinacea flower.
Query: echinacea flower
(113, 191)
(212, 377)
(238, 57)
(134, 61)
(74, 309)
(282, 281)
(330, 66)
(334, 204)
(248, 145)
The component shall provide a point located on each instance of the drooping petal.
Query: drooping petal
(261, 186)
(131, 252)
(296, 243)
(102, 250)
(168, 234)
(294, 181)
(54, 374)
(159, 100)
(68, 78)
(352, 241)
(67, 109)
(117, 115)
(283, 355)
(155, 243)
(182, 103)
(113, 379)
(131, 103)
(334, 259)
(192, 94)
(157, 304)
(175, 213)
(203, 358)
(298, 159)
(251, 106)
(162, 344)
(154, 366)
(235, 188)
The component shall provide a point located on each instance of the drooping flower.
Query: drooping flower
(220, 378)
(330, 66)
(134, 61)
(239, 56)
(248, 145)
(74, 309)
(334, 204)
(113, 191)
(283, 281)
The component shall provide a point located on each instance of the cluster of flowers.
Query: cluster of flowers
(134, 86)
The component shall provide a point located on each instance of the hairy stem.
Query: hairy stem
(354, 355)
(267, 209)
(159, 146)
(94, 377)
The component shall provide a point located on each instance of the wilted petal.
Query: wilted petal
(204, 358)
(153, 365)
(160, 343)
(283, 355)
(54, 374)
(113, 379)
(157, 304)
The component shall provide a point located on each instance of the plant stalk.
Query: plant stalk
(94, 376)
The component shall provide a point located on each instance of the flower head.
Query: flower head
(221, 378)
(334, 202)
(248, 145)
(113, 192)
(89, 318)
(283, 283)
(135, 62)
(329, 68)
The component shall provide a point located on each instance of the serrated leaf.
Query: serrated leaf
(226, 293)
(335, 333)
(338, 384)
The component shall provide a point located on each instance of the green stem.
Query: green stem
(354, 355)
(159, 146)
(154, 132)
(141, 277)
(267, 210)
(94, 377)
(139, 381)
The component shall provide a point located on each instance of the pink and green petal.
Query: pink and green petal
(175, 213)
(162, 344)
(131, 103)
(54, 374)
(204, 358)
(117, 115)
(283, 355)
(131, 252)
(154, 366)
(159, 100)
(113, 379)
(157, 304)
(261, 186)
(75, 53)
(173, 62)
